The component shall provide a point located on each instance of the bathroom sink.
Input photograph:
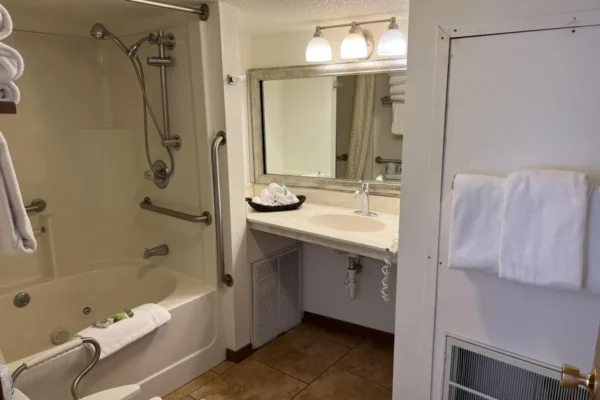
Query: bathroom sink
(343, 222)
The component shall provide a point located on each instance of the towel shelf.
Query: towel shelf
(36, 206)
(8, 107)
(205, 217)
(380, 160)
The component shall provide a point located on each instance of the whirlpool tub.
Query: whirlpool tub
(160, 362)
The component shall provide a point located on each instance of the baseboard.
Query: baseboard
(240, 355)
(348, 327)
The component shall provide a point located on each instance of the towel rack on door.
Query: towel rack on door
(220, 140)
(36, 206)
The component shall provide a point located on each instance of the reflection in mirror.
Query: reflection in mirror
(347, 126)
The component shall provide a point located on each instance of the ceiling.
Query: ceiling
(267, 14)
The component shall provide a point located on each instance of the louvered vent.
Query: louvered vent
(475, 372)
(277, 295)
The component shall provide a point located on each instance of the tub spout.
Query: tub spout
(161, 250)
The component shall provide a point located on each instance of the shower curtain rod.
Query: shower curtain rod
(203, 11)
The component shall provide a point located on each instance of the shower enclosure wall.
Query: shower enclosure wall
(78, 142)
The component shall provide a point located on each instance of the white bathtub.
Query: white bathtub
(160, 362)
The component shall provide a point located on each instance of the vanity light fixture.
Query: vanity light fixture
(359, 42)
(318, 48)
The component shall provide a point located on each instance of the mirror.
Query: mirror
(329, 126)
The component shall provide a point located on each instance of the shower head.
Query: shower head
(99, 31)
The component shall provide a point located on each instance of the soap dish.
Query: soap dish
(286, 207)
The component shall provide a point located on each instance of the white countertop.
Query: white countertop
(297, 225)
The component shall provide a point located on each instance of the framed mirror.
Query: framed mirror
(329, 126)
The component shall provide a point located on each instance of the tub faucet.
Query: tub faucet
(363, 193)
(161, 250)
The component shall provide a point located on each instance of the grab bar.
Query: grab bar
(220, 139)
(36, 206)
(380, 160)
(147, 205)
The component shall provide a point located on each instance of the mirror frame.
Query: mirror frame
(255, 76)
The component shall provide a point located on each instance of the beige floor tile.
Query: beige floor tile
(192, 385)
(336, 384)
(224, 366)
(343, 338)
(250, 380)
(302, 355)
(371, 361)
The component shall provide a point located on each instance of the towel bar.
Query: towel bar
(36, 206)
(205, 217)
(380, 160)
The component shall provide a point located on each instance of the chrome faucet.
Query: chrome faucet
(161, 250)
(363, 193)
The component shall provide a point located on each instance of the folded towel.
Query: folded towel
(11, 64)
(397, 97)
(6, 23)
(397, 89)
(6, 383)
(397, 118)
(267, 197)
(543, 234)
(593, 250)
(475, 222)
(16, 234)
(275, 189)
(146, 319)
(10, 92)
(397, 79)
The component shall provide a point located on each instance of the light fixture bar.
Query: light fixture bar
(376, 21)
(203, 11)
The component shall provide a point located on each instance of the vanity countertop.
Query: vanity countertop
(377, 240)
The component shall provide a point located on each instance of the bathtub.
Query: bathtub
(160, 362)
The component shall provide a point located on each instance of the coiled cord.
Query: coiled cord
(386, 276)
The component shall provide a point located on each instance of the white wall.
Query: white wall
(385, 144)
(299, 126)
(418, 255)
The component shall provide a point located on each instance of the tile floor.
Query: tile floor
(306, 363)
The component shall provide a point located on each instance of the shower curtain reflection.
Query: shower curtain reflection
(362, 126)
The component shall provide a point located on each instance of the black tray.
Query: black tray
(287, 207)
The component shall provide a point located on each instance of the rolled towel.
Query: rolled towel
(10, 92)
(275, 189)
(11, 64)
(257, 200)
(146, 319)
(398, 89)
(291, 198)
(267, 197)
(6, 23)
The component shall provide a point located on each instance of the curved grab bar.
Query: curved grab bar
(220, 139)
(86, 370)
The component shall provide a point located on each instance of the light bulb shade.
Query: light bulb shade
(354, 46)
(392, 43)
(318, 49)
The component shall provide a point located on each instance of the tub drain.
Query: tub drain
(60, 336)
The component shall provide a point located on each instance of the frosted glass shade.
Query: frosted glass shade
(318, 49)
(354, 46)
(392, 43)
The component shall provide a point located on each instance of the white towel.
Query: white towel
(267, 197)
(593, 248)
(397, 89)
(11, 64)
(16, 234)
(146, 318)
(544, 228)
(397, 80)
(397, 97)
(397, 118)
(6, 383)
(6, 23)
(10, 92)
(275, 189)
(476, 222)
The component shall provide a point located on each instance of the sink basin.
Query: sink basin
(343, 222)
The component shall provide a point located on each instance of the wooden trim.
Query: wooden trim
(240, 355)
(348, 327)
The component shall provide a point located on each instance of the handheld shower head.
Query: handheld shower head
(98, 31)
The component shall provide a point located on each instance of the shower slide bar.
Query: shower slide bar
(220, 139)
(204, 218)
(203, 11)
(36, 206)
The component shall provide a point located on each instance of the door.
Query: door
(572, 378)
